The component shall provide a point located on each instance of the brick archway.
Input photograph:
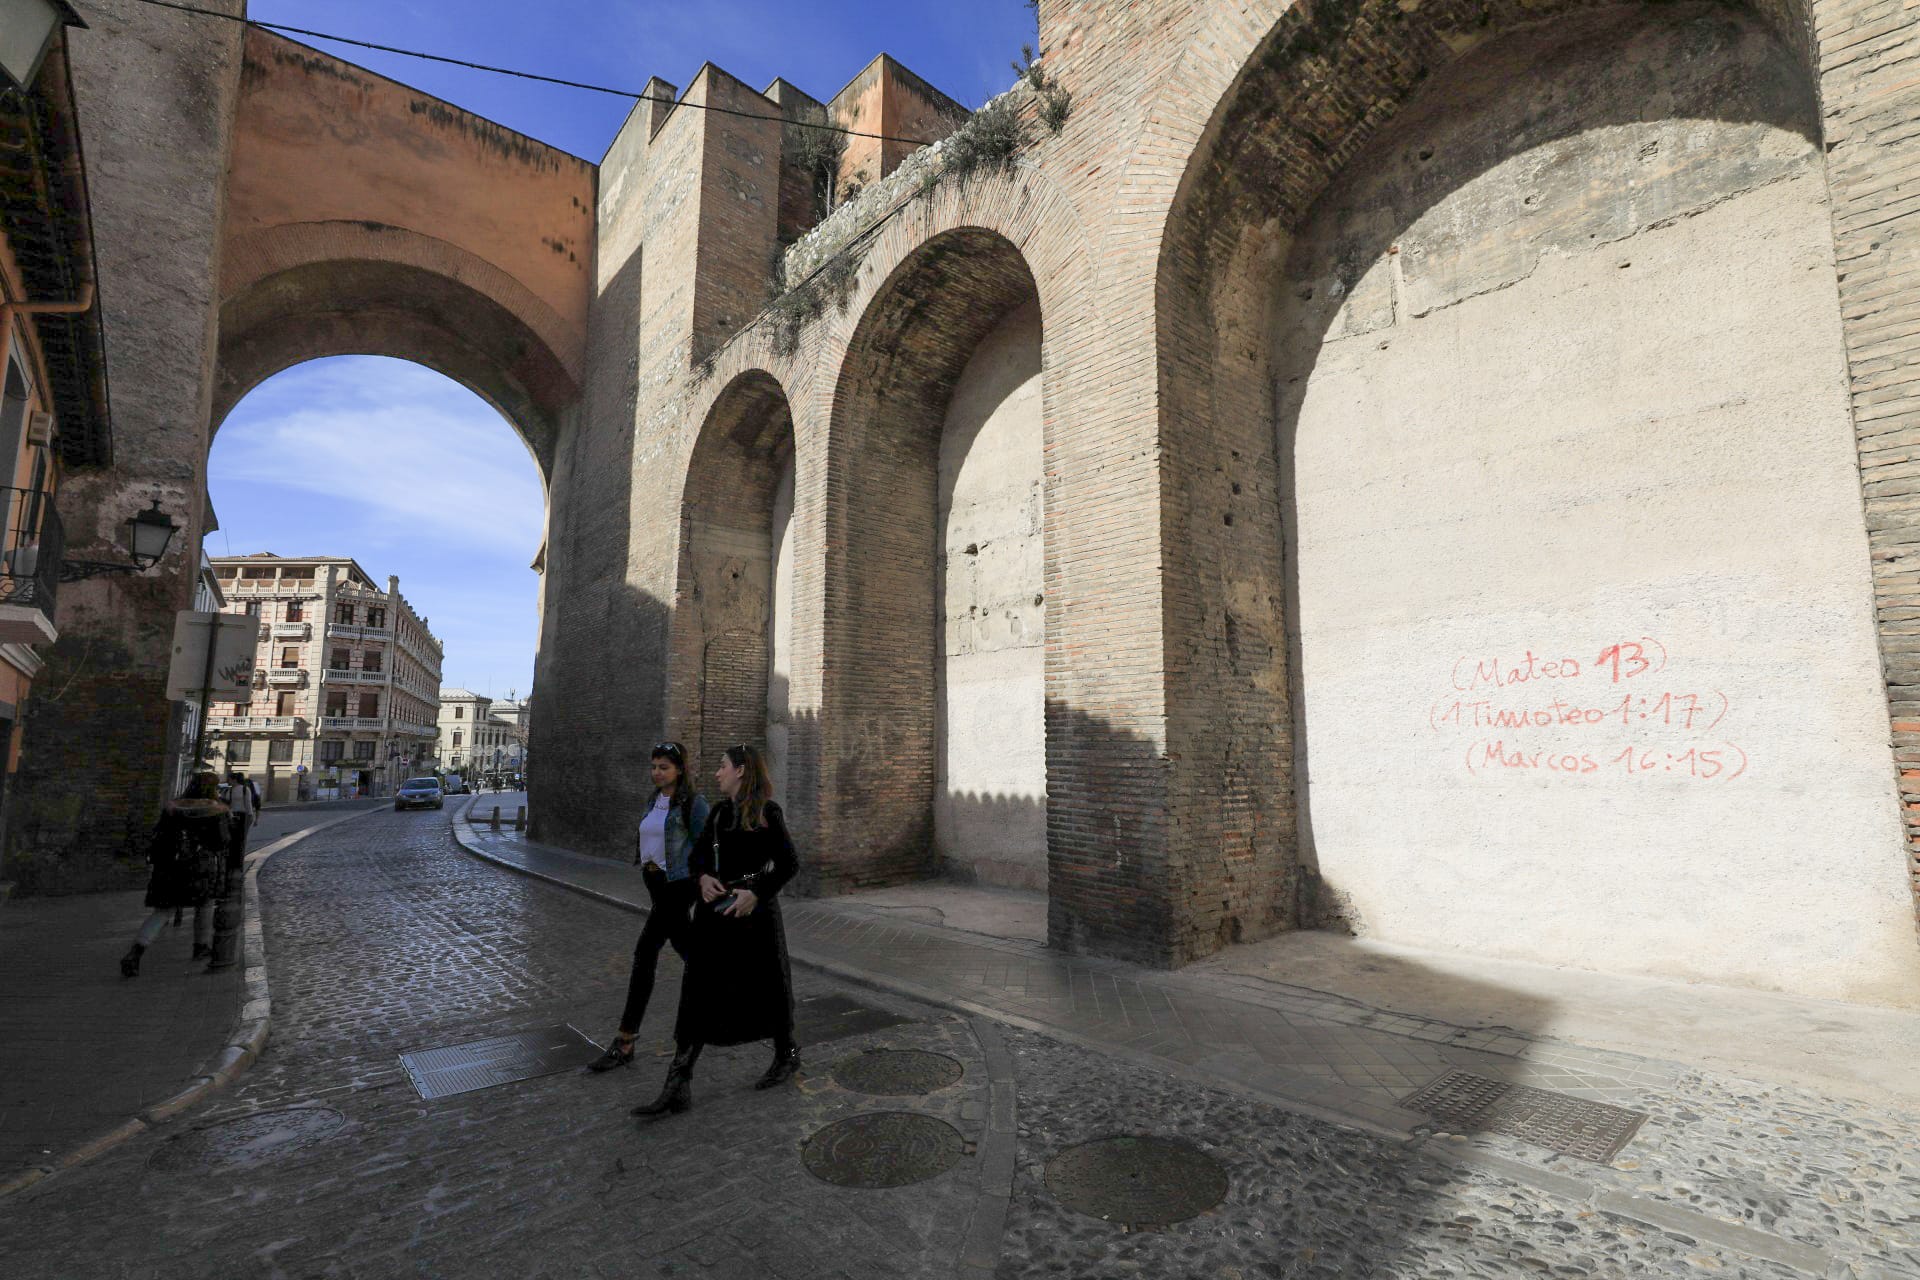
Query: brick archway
(912, 342)
(1270, 131)
(360, 307)
(736, 507)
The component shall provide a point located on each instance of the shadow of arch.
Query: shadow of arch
(392, 309)
(912, 343)
(728, 604)
(1276, 146)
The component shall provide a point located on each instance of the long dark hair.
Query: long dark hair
(676, 755)
(756, 789)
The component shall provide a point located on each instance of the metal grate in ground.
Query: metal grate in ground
(1465, 1102)
(482, 1064)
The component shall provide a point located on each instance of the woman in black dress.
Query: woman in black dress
(738, 987)
(189, 856)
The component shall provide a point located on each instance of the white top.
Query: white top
(240, 799)
(653, 834)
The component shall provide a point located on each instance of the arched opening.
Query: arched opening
(352, 307)
(1551, 354)
(934, 719)
(733, 616)
(379, 520)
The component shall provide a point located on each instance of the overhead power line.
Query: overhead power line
(526, 75)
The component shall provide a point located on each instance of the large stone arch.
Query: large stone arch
(391, 308)
(1312, 105)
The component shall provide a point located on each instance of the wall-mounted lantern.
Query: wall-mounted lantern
(27, 29)
(148, 535)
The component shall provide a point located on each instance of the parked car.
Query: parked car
(455, 785)
(419, 793)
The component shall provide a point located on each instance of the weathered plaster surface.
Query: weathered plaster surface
(989, 815)
(1559, 368)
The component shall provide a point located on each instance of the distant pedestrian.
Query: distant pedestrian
(675, 817)
(188, 852)
(739, 985)
(243, 801)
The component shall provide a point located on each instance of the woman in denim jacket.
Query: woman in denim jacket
(675, 817)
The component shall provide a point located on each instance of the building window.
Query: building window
(376, 617)
(456, 738)
(370, 661)
(290, 657)
(331, 750)
(284, 705)
(251, 608)
(280, 750)
(339, 660)
(369, 705)
(459, 713)
(363, 750)
(343, 613)
(239, 750)
(295, 611)
(336, 704)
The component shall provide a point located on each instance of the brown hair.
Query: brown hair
(756, 789)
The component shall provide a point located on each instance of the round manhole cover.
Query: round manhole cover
(247, 1141)
(897, 1072)
(1142, 1182)
(884, 1149)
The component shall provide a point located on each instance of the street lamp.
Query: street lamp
(148, 534)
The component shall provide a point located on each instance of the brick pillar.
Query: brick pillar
(1869, 73)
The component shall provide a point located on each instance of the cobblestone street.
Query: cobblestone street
(384, 938)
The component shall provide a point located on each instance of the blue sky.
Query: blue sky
(410, 473)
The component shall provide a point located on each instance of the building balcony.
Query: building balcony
(256, 724)
(29, 567)
(342, 631)
(351, 675)
(353, 724)
(292, 630)
(287, 677)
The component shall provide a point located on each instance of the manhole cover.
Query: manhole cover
(481, 1064)
(1470, 1103)
(1141, 1182)
(883, 1149)
(897, 1072)
(247, 1141)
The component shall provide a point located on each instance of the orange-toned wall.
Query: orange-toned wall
(318, 140)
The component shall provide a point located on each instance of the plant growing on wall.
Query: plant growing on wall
(817, 153)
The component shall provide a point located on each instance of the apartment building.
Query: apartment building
(346, 680)
(479, 736)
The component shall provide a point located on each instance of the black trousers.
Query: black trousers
(666, 923)
(238, 827)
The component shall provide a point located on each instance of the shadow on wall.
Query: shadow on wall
(597, 694)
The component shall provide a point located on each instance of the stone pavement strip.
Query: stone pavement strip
(1817, 1184)
(88, 1059)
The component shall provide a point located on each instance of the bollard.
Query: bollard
(520, 819)
(228, 917)
(496, 817)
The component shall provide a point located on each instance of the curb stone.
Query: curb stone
(245, 1043)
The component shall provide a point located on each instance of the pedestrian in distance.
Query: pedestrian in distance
(188, 852)
(739, 985)
(243, 803)
(676, 815)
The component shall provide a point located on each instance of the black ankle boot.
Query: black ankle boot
(786, 1061)
(130, 962)
(676, 1095)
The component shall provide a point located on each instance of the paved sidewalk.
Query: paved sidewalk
(81, 1048)
(1815, 1183)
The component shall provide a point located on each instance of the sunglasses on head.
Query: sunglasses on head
(673, 749)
